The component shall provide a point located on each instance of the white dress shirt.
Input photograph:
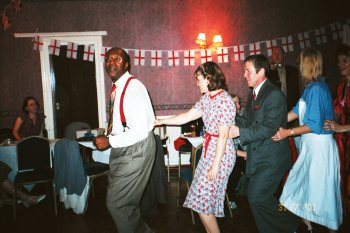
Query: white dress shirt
(138, 113)
(257, 89)
(282, 75)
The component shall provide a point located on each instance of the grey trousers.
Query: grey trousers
(130, 168)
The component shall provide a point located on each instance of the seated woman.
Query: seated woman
(7, 188)
(29, 122)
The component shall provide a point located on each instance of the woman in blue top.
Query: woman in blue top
(312, 190)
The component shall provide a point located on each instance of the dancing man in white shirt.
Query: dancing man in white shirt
(130, 134)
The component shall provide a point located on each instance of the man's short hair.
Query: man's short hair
(259, 61)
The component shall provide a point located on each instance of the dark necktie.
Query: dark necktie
(110, 114)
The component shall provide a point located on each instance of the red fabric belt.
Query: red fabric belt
(207, 137)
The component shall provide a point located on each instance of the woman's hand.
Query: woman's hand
(331, 125)
(213, 171)
(233, 131)
(281, 134)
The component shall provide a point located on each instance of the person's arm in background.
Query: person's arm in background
(242, 153)
(16, 127)
(331, 125)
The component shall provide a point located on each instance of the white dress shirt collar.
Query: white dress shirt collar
(257, 89)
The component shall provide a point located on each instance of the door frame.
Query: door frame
(47, 76)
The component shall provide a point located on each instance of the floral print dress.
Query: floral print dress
(205, 196)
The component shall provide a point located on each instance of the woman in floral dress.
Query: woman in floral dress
(217, 109)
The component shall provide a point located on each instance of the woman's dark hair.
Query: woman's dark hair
(25, 103)
(213, 73)
(343, 49)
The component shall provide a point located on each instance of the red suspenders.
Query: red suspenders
(121, 104)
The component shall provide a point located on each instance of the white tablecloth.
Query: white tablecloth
(195, 141)
(98, 155)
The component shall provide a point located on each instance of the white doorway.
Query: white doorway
(48, 79)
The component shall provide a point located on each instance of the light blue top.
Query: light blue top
(319, 106)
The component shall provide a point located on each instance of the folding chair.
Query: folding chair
(33, 166)
(186, 174)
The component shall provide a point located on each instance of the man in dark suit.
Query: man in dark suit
(267, 161)
(284, 76)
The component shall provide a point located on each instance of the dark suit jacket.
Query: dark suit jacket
(259, 122)
(292, 83)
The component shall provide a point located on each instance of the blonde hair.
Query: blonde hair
(311, 65)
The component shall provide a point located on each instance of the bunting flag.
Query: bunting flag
(54, 47)
(189, 57)
(269, 45)
(304, 40)
(173, 58)
(320, 35)
(287, 44)
(346, 35)
(156, 58)
(222, 54)
(254, 48)
(301, 40)
(336, 30)
(238, 52)
(72, 50)
(38, 43)
(104, 52)
(89, 52)
(139, 58)
(205, 55)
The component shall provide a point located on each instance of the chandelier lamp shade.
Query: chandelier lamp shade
(203, 44)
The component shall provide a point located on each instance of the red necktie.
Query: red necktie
(254, 95)
(110, 115)
(113, 88)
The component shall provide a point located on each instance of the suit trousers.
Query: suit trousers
(130, 168)
(269, 215)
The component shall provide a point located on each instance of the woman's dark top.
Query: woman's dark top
(28, 128)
